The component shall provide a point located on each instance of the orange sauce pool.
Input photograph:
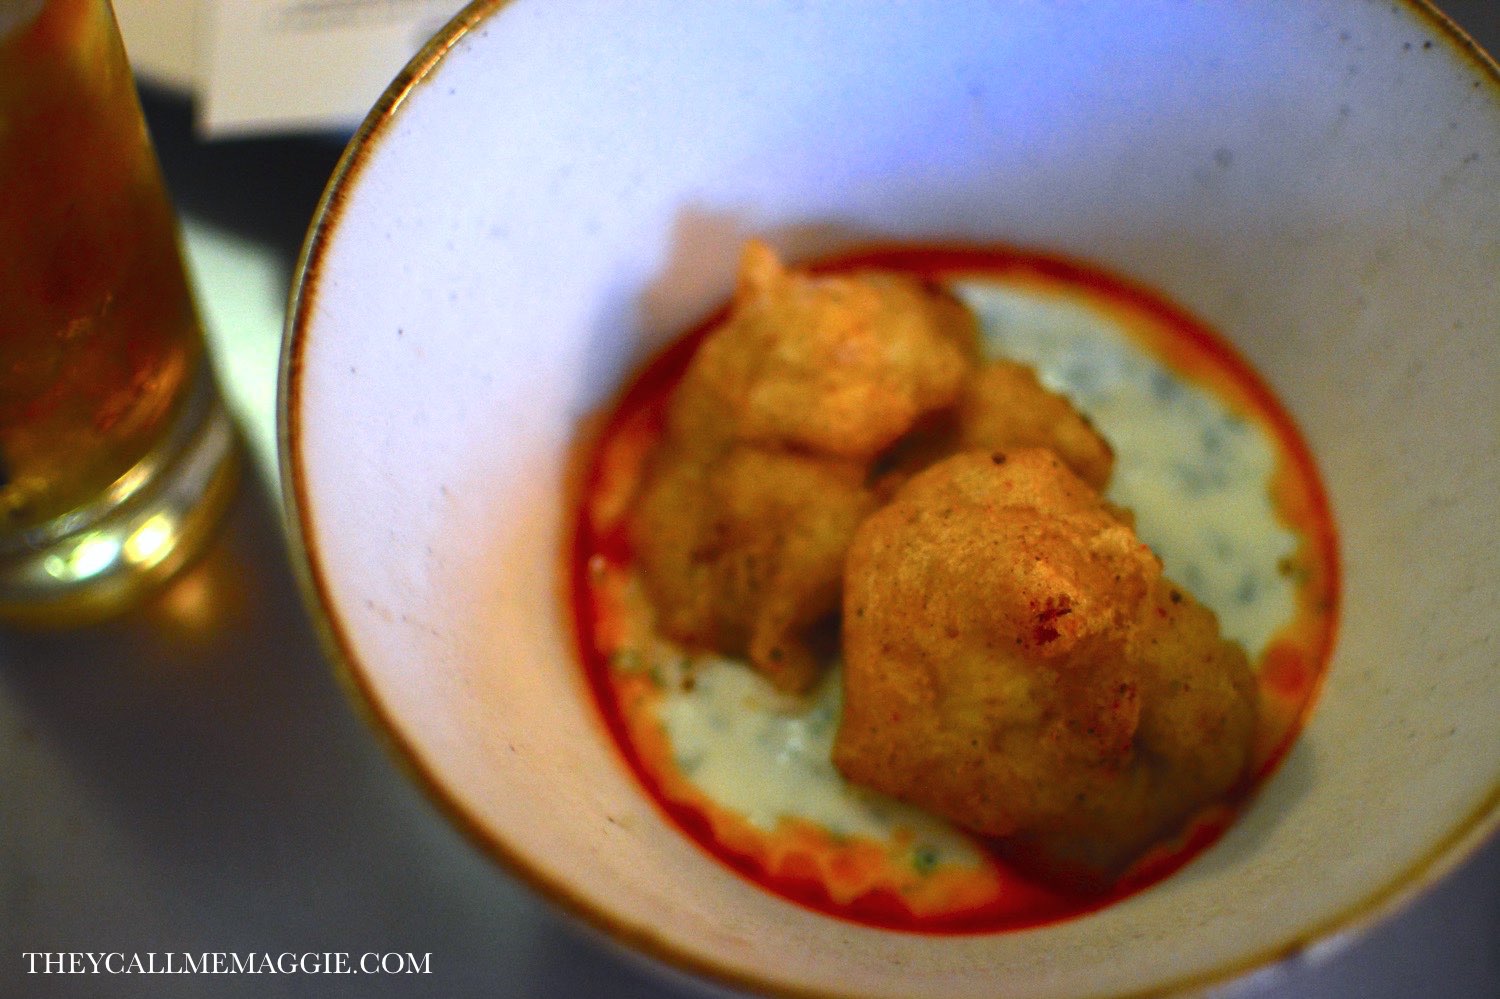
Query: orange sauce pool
(893, 883)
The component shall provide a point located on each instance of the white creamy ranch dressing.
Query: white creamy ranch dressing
(1197, 477)
(766, 755)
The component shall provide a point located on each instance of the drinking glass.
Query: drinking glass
(116, 456)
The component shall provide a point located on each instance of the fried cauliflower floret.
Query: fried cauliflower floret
(1015, 661)
(837, 365)
(744, 554)
(1005, 406)
(746, 510)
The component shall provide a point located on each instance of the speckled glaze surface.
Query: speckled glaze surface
(552, 191)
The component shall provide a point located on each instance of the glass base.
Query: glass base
(86, 568)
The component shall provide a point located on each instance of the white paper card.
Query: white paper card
(299, 65)
(161, 38)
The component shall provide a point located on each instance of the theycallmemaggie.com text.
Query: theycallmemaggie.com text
(225, 963)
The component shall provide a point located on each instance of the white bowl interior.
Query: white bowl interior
(568, 186)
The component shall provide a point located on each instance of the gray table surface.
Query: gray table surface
(191, 778)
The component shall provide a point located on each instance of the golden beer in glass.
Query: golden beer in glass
(116, 458)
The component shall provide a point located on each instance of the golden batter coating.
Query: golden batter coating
(838, 365)
(1199, 696)
(1197, 718)
(1015, 661)
(744, 554)
(1005, 406)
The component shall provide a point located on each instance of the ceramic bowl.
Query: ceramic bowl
(551, 191)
